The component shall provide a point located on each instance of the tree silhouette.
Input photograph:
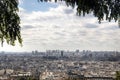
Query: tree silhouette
(9, 22)
(9, 19)
(110, 9)
(117, 75)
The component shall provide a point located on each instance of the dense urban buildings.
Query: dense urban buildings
(59, 64)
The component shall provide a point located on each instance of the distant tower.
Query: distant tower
(32, 52)
(84, 51)
(36, 51)
(77, 51)
(62, 52)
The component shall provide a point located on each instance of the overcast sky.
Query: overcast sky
(55, 26)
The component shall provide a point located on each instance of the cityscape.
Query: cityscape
(60, 39)
(59, 65)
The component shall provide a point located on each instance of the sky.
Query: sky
(51, 26)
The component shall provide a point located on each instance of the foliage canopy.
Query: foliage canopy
(109, 9)
(117, 75)
(9, 22)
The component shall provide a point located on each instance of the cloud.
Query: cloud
(90, 25)
(27, 27)
(20, 2)
(61, 28)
